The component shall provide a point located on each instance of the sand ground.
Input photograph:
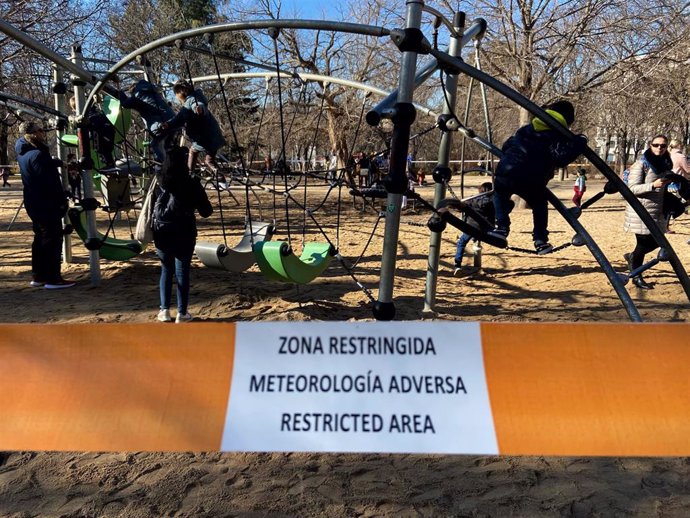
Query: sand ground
(512, 286)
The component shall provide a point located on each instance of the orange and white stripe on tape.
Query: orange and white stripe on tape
(451, 387)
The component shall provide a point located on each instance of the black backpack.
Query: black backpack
(168, 213)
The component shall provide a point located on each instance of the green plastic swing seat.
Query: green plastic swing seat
(111, 248)
(277, 261)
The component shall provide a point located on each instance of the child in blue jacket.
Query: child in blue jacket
(200, 125)
(530, 158)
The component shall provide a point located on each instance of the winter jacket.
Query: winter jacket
(483, 204)
(642, 176)
(191, 197)
(149, 103)
(681, 164)
(532, 155)
(44, 195)
(200, 125)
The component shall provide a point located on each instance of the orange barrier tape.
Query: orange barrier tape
(589, 389)
(554, 389)
(112, 387)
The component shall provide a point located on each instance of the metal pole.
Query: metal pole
(451, 86)
(485, 105)
(396, 181)
(468, 105)
(59, 98)
(384, 107)
(37, 46)
(89, 193)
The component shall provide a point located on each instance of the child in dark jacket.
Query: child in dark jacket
(530, 158)
(200, 125)
(147, 100)
(484, 206)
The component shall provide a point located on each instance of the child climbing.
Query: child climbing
(530, 158)
(484, 206)
(200, 125)
(145, 98)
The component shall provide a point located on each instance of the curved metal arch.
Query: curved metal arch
(310, 77)
(351, 28)
(493, 83)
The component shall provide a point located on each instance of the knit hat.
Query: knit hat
(565, 108)
(29, 127)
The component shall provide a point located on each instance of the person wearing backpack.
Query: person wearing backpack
(647, 182)
(178, 196)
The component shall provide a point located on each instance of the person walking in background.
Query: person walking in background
(484, 206)
(580, 186)
(5, 176)
(178, 195)
(681, 163)
(646, 181)
(200, 125)
(45, 202)
(332, 175)
(530, 158)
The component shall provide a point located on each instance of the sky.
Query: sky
(311, 9)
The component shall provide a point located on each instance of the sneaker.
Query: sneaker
(164, 315)
(58, 285)
(500, 234)
(543, 247)
(36, 284)
(183, 317)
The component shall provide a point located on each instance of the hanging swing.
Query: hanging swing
(277, 259)
(240, 257)
(108, 247)
(278, 262)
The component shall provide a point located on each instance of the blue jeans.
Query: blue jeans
(460, 250)
(177, 263)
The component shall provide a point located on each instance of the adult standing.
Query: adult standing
(45, 201)
(333, 168)
(178, 196)
(646, 182)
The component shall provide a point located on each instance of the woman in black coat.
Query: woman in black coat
(179, 195)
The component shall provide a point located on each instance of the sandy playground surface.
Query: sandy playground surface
(566, 286)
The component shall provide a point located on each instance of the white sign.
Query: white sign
(395, 387)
